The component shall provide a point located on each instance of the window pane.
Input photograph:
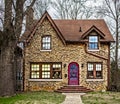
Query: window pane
(46, 67)
(34, 70)
(90, 67)
(45, 74)
(57, 71)
(46, 42)
(98, 67)
(93, 39)
(56, 75)
(90, 70)
(93, 45)
(98, 74)
(45, 70)
(93, 42)
(90, 74)
(34, 74)
(35, 67)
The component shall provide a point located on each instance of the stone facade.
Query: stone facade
(65, 53)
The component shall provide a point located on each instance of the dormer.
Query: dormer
(93, 37)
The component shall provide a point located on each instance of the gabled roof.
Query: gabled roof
(70, 29)
(74, 30)
(46, 15)
(93, 28)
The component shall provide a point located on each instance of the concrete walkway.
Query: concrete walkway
(73, 98)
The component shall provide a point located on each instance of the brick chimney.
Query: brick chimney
(29, 18)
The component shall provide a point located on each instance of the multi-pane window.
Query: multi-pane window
(46, 42)
(46, 71)
(94, 71)
(93, 42)
(35, 71)
(56, 71)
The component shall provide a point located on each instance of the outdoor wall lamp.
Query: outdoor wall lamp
(64, 65)
(65, 75)
(82, 65)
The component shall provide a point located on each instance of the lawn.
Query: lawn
(101, 98)
(34, 98)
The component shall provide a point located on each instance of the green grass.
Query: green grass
(34, 98)
(101, 98)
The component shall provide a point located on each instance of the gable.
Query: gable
(93, 31)
(73, 30)
(45, 16)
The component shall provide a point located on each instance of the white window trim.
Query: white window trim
(95, 50)
(46, 50)
(97, 42)
(90, 80)
(44, 80)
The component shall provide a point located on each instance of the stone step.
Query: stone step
(73, 89)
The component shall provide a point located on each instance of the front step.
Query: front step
(73, 89)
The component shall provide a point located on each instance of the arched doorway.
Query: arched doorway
(73, 74)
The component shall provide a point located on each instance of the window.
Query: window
(46, 42)
(94, 71)
(46, 71)
(93, 42)
(35, 71)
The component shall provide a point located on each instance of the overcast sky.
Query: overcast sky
(90, 3)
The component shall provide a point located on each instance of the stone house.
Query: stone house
(66, 52)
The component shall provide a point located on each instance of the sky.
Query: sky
(89, 3)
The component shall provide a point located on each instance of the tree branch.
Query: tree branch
(108, 4)
(30, 6)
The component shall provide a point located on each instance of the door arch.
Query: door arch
(73, 74)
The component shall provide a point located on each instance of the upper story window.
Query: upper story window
(94, 71)
(46, 43)
(93, 42)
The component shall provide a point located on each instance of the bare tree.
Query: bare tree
(40, 7)
(71, 9)
(14, 12)
(111, 10)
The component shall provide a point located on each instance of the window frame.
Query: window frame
(51, 69)
(42, 48)
(94, 70)
(93, 42)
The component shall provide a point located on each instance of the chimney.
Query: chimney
(29, 18)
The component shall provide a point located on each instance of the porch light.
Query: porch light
(82, 65)
(64, 65)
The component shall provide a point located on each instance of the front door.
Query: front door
(73, 74)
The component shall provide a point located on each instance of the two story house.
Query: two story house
(67, 52)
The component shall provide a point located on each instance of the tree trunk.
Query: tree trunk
(117, 44)
(7, 72)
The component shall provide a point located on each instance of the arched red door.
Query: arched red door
(73, 74)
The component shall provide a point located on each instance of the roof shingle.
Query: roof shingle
(70, 29)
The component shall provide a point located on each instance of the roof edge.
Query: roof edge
(46, 14)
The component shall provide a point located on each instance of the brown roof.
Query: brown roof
(69, 30)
